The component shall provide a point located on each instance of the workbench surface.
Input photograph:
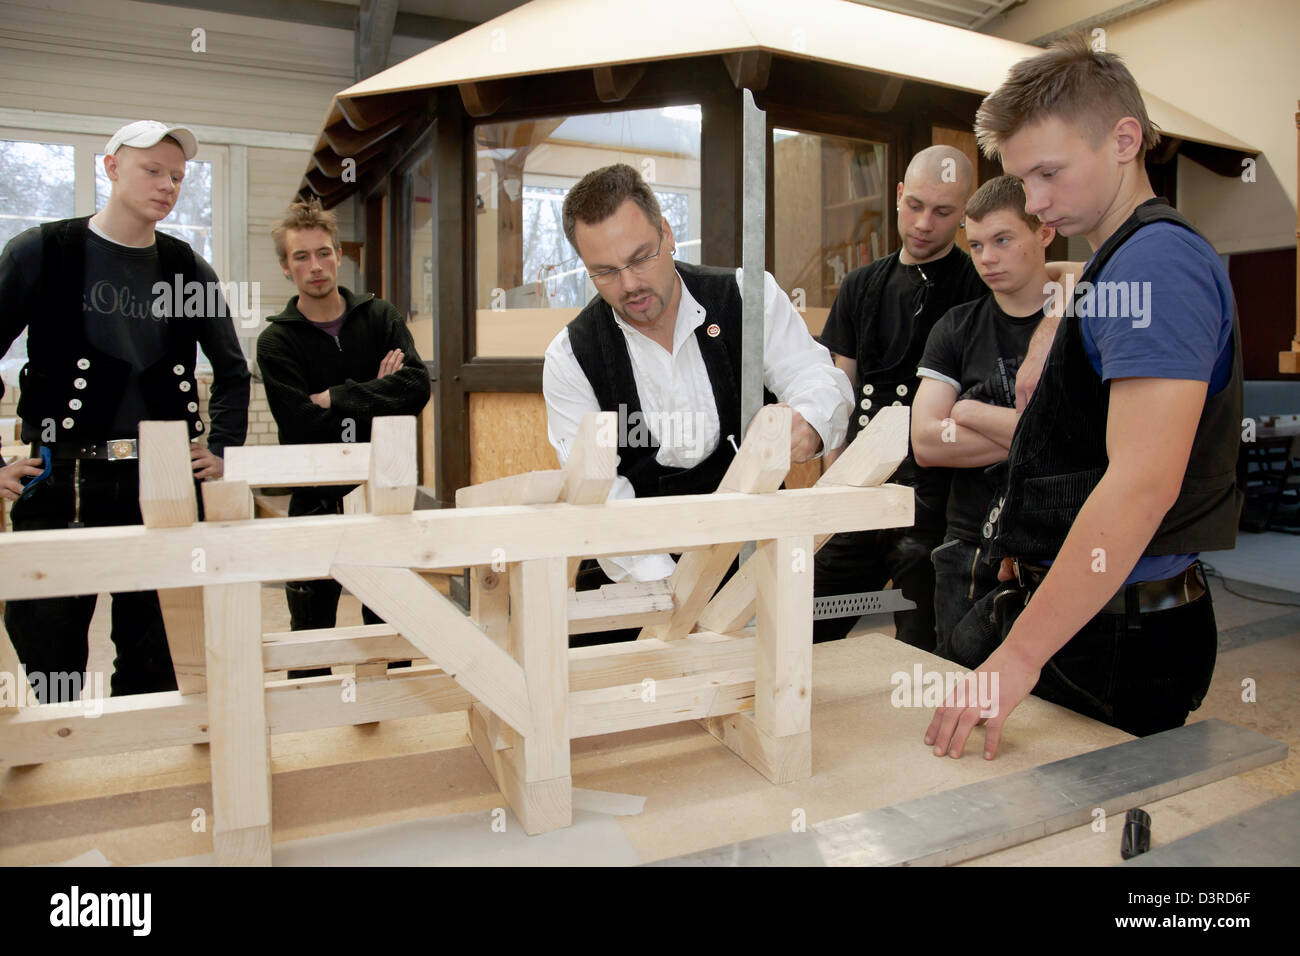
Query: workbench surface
(328, 784)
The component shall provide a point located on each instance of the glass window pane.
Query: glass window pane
(191, 217)
(37, 184)
(419, 192)
(530, 281)
(831, 199)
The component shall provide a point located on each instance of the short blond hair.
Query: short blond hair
(1086, 88)
(304, 215)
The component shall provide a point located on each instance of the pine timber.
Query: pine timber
(509, 667)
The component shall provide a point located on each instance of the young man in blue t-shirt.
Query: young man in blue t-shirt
(1122, 466)
(964, 414)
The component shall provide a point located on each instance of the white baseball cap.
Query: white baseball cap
(145, 133)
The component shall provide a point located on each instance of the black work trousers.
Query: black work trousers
(315, 604)
(50, 634)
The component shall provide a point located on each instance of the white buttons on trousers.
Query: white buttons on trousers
(988, 529)
(198, 425)
(79, 383)
(184, 386)
(74, 404)
(901, 390)
(866, 404)
(862, 421)
(178, 369)
(83, 363)
(868, 389)
(895, 403)
(192, 406)
(68, 423)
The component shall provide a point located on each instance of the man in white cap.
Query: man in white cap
(106, 351)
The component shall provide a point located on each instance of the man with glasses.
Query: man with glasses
(876, 330)
(660, 345)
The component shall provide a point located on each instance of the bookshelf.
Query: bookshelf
(831, 199)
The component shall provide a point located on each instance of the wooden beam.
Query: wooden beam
(609, 710)
(614, 83)
(283, 466)
(530, 488)
(590, 469)
(759, 467)
(440, 632)
(592, 465)
(627, 604)
(240, 740)
(327, 646)
(485, 97)
(55, 563)
(166, 481)
(146, 721)
(227, 500)
(390, 488)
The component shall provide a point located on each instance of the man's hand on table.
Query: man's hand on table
(1010, 678)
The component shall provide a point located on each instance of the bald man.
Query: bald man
(876, 331)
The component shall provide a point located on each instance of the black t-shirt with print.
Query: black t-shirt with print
(977, 348)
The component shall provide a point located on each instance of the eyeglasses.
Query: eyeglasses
(921, 295)
(637, 267)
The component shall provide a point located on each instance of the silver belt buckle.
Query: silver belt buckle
(120, 449)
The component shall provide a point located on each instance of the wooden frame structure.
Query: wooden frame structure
(509, 664)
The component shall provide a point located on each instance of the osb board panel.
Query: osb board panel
(507, 435)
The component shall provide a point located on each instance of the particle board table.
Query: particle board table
(149, 807)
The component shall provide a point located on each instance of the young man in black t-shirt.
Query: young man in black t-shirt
(876, 331)
(964, 413)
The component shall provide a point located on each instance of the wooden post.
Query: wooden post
(591, 468)
(167, 501)
(777, 740)
(391, 488)
(534, 774)
(240, 742)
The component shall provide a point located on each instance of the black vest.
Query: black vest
(891, 379)
(601, 350)
(68, 381)
(1058, 453)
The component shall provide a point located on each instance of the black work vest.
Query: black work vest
(71, 383)
(601, 350)
(1058, 452)
(891, 379)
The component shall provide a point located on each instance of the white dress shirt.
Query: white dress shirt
(677, 397)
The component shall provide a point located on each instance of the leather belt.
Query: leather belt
(1183, 588)
(116, 449)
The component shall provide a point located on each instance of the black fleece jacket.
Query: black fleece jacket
(297, 360)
